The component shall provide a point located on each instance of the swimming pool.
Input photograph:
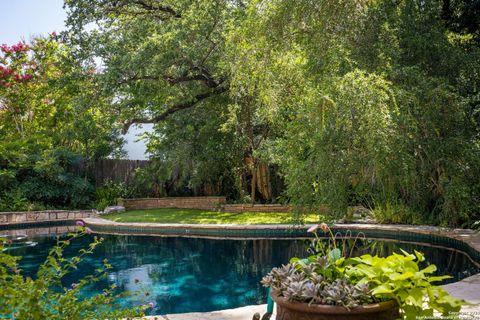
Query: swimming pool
(196, 274)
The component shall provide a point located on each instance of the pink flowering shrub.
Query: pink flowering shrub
(17, 64)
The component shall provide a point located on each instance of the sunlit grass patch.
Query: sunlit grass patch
(195, 216)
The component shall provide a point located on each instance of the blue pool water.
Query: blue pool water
(192, 274)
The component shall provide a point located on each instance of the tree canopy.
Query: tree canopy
(321, 104)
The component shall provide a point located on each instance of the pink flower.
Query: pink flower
(19, 47)
(6, 71)
(80, 223)
(313, 228)
(324, 227)
(88, 230)
(6, 49)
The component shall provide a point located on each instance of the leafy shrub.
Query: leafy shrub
(400, 277)
(46, 298)
(150, 180)
(396, 213)
(14, 200)
(332, 279)
(110, 193)
(42, 179)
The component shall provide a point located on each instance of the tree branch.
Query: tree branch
(142, 7)
(156, 6)
(181, 106)
(205, 77)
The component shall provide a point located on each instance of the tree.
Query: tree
(370, 103)
(51, 121)
(160, 58)
(303, 65)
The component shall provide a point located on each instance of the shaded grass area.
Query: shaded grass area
(195, 216)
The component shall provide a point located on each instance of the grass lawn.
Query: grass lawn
(209, 217)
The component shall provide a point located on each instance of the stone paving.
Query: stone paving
(467, 289)
(244, 313)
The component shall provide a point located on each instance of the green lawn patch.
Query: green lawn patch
(195, 216)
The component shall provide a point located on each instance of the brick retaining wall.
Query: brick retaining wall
(243, 207)
(40, 216)
(203, 203)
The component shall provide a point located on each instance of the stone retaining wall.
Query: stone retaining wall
(203, 203)
(41, 216)
(38, 231)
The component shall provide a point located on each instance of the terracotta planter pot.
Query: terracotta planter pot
(302, 311)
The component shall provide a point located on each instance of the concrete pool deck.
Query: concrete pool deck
(467, 289)
(243, 313)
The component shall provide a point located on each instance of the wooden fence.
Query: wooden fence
(117, 170)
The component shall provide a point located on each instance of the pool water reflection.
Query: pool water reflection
(192, 274)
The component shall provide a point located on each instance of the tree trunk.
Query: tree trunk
(254, 179)
(269, 184)
(263, 180)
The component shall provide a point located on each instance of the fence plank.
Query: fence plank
(117, 170)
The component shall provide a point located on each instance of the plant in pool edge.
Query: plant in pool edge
(332, 278)
(45, 298)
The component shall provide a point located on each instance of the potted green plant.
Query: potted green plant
(331, 285)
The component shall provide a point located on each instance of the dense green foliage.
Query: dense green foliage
(52, 124)
(371, 103)
(384, 109)
(323, 104)
(44, 297)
